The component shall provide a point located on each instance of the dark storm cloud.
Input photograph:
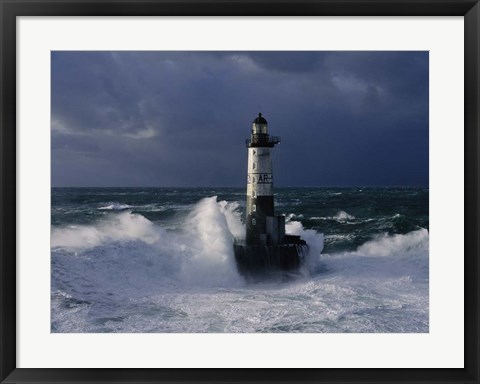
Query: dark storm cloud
(181, 118)
(298, 62)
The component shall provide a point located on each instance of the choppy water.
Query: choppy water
(161, 260)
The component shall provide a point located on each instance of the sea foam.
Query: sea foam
(201, 253)
(399, 245)
(129, 274)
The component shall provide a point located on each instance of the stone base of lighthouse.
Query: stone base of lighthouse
(258, 259)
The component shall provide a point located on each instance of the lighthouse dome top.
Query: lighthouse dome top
(260, 120)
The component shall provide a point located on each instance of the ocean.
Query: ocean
(161, 260)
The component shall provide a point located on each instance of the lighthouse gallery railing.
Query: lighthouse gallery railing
(271, 140)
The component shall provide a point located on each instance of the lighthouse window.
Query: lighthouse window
(254, 207)
(254, 165)
(254, 222)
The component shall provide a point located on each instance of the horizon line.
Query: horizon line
(287, 186)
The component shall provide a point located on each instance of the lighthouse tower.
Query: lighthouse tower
(266, 246)
(262, 224)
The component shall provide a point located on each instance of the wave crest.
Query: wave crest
(416, 242)
(115, 207)
(117, 227)
(200, 254)
(343, 216)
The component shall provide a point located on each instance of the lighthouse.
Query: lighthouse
(266, 246)
(260, 206)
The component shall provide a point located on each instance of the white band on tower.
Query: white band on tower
(260, 178)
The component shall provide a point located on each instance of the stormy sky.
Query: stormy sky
(181, 118)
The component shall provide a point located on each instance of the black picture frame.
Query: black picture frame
(10, 10)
